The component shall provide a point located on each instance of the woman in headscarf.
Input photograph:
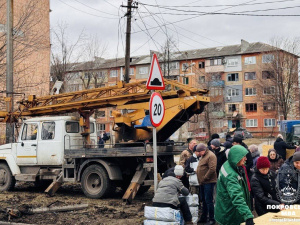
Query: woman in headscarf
(275, 160)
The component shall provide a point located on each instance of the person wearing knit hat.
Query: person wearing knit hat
(207, 178)
(167, 191)
(263, 163)
(290, 168)
(263, 185)
(221, 156)
(254, 153)
(275, 160)
(213, 136)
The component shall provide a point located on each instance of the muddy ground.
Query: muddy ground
(100, 211)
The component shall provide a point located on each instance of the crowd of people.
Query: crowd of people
(231, 179)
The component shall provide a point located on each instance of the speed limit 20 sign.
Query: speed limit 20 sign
(157, 109)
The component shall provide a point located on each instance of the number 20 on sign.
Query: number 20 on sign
(157, 109)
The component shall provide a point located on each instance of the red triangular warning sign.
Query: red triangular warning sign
(155, 80)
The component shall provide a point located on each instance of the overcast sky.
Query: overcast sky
(191, 24)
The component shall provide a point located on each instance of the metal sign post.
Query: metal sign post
(157, 113)
(155, 158)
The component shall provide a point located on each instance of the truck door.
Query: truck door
(27, 145)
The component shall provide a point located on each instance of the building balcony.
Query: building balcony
(219, 114)
(216, 83)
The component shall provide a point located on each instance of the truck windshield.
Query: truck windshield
(297, 131)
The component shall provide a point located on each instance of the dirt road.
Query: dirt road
(100, 211)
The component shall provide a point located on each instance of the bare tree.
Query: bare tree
(167, 57)
(279, 82)
(93, 52)
(29, 39)
(64, 54)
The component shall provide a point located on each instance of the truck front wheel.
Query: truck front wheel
(95, 182)
(7, 181)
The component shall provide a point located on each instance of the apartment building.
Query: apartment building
(237, 76)
(31, 56)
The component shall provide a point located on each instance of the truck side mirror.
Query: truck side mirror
(22, 144)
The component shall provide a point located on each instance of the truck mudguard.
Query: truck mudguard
(114, 172)
(11, 162)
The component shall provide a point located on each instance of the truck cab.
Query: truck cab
(290, 130)
(40, 147)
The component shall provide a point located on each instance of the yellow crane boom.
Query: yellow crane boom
(178, 98)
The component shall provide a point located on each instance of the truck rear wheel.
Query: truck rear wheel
(95, 182)
(7, 180)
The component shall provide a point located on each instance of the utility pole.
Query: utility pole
(128, 34)
(9, 68)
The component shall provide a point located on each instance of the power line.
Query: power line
(86, 12)
(193, 17)
(111, 4)
(210, 6)
(94, 8)
(208, 13)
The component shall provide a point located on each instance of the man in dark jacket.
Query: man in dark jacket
(228, 143)
(185, 154)
(288, 176)
(167, 191)
(213, 136)
(280, 146)
(221, 156)
(207, 178)
(233, 199)
(263, 186)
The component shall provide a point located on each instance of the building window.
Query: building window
(214, 91)
(269, 90)
(233, 77)
(113, 73)
(218, 123)
(269, 122)
(250, 60)
(184, 66)
(267, 58)
(251, 123)
(131, 71)
(232, 62)
(201, 124)
(250, 76)
(217, 107)
(250, 91)
(270, 106)
(100, 113)
(174, 65)
(232, 107)
(215, 62)
(216, 77)
(143, 70)
(86, 75)
(202, 79)
(201, 65)
(100, 126)
(100, 74)
(251, 107)
(233, 92)
(267, 75)
(185, 80)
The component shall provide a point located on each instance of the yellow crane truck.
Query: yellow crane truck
(54, 149)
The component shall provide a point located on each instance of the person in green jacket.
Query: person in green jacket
(233, 197)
